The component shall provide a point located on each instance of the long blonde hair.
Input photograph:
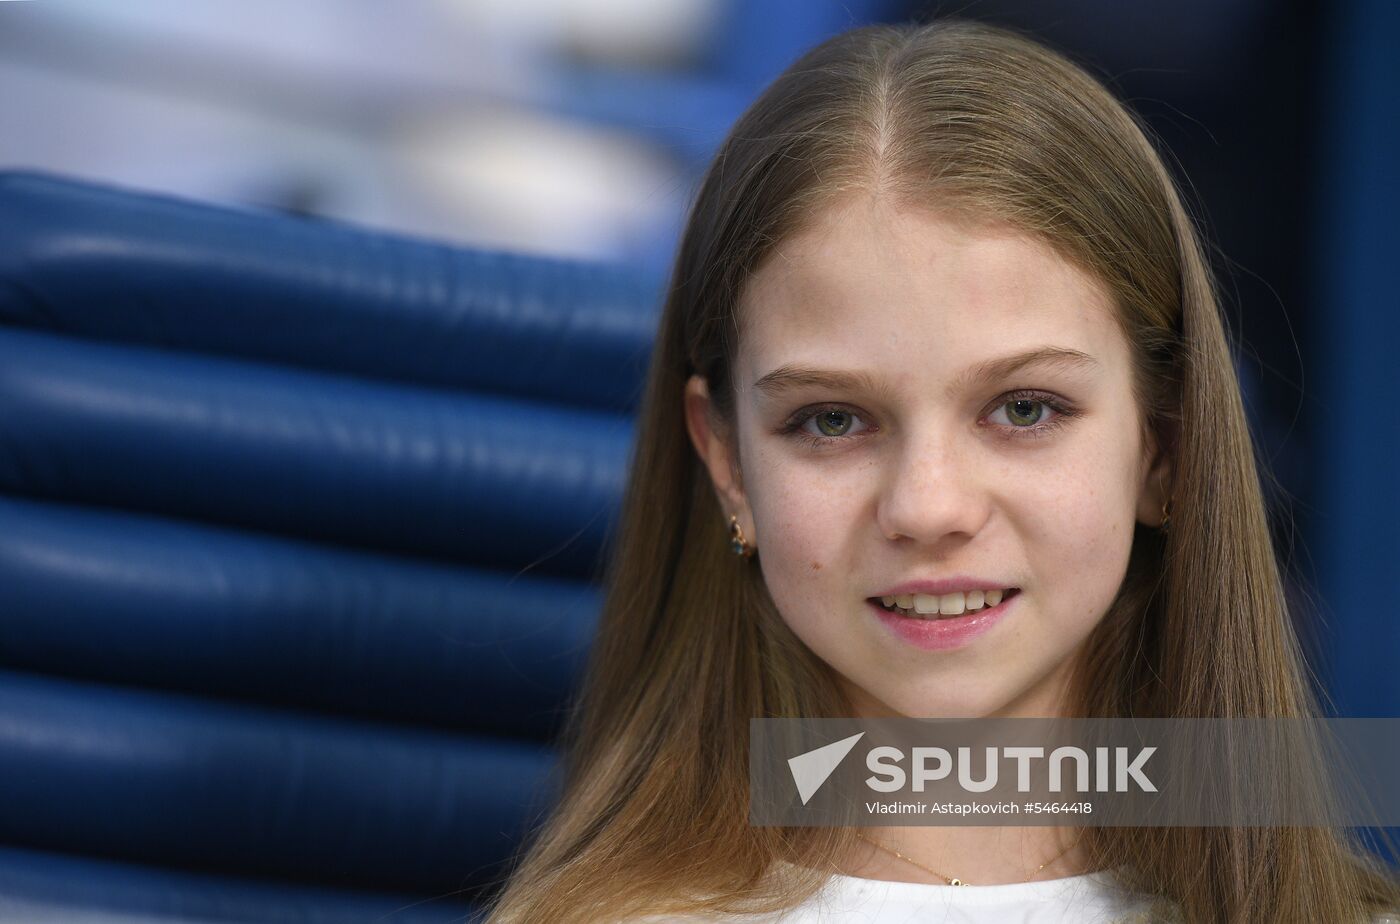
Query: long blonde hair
(979, 119)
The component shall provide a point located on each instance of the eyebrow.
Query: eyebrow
(789, 377)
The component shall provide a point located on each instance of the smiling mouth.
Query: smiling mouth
(946, 606)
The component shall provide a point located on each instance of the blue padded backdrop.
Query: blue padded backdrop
(300, 534)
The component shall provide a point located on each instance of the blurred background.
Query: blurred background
(579, 129)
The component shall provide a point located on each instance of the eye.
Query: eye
(823, 426)
(834, 423)
(1023, 412)
(1030, 413)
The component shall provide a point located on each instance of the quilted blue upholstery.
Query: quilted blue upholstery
(300, 529)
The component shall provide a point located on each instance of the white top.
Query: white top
(1091, 898)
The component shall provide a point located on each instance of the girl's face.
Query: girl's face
(920, 401)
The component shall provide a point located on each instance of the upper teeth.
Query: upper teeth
(945, 604)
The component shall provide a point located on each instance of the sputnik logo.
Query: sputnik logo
(810, 770)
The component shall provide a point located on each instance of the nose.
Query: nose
(934, 493)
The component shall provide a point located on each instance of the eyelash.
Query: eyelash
(1065, 413)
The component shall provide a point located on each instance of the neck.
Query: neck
(978, 855)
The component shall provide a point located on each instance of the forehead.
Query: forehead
(867, 282)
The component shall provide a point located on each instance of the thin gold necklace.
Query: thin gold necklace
(952, 880)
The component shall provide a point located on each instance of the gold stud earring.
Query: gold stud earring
(736, 539)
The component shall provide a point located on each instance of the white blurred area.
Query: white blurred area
(415, 116)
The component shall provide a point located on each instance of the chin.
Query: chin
(938, 707)
(954, 710)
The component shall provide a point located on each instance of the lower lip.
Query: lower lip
(949, 632)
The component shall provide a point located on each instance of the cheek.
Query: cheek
(1084, 508)
(806, 523)
(1080, 536)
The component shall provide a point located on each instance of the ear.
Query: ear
(718, 450)
(1156, 482)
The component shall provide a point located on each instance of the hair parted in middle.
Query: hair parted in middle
(987, 125)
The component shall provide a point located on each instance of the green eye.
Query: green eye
(828, 428)
(1031, 414)
(833, 425)
(1024, 412)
